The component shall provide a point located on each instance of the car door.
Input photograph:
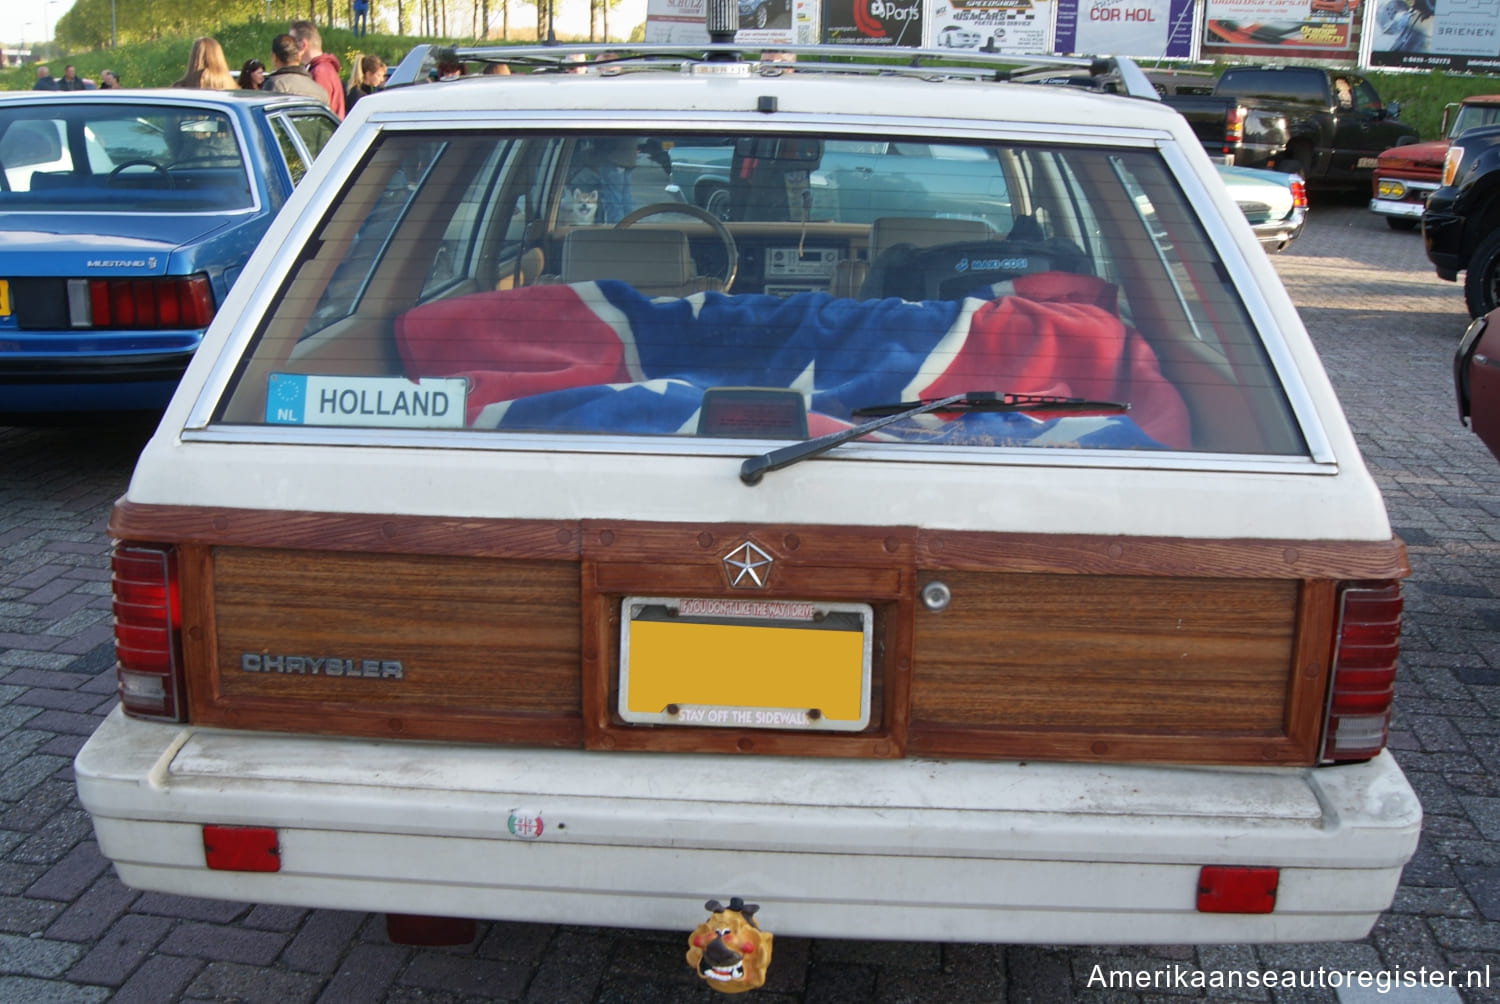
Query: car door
(301, 135)
(1362, 129)
(1477, 375)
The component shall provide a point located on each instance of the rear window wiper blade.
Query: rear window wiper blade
(993, 400)
(754, 468)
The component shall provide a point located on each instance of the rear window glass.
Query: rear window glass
(123, 158)
(702, 286)
(1278, 85)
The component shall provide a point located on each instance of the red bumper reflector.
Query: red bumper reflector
(241, 849)
(1229, 889)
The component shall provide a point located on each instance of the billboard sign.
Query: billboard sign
(1303, 29)
(674, 22)
(873, 22)
(1023, 27)
(1459, 35)
(1141, 29)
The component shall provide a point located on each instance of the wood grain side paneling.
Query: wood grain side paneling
(1085, 554)
(491, 645)
(1071, 647)
(375, 533)
(1172, 668)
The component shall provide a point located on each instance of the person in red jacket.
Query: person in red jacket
(324, 67)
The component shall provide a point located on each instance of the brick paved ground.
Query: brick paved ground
(69, 932)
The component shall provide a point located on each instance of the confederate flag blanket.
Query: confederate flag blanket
(599, 357)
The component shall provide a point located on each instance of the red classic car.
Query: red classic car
(1406, 175)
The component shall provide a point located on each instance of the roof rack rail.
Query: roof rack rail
(611, 59)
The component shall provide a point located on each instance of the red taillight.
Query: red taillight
(148, 645)
(1364, 670)
(149, 303)
(1234, 129)
(1299, 192)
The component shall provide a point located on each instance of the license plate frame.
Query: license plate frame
(798, 665)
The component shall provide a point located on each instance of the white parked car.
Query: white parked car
(1274, 202)
(525, 535)
(954, 37)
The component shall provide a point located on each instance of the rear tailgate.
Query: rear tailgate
(1074, 647)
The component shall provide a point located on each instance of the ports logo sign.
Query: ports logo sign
(873, 22)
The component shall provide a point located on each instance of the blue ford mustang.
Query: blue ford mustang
(125, 217)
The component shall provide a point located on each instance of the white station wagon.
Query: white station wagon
(901, 497)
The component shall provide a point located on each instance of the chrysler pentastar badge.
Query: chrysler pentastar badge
(747, 566)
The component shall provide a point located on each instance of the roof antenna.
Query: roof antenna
(722, 18)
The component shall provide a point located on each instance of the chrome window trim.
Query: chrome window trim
(696, 448)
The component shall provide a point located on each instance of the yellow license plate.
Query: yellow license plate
(4, 298)
(757, 664)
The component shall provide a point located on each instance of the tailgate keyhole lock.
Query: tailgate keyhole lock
(936, 596)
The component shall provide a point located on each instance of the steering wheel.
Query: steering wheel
(155, 167)
(731, 251)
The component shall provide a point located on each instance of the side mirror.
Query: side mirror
(1393, 109)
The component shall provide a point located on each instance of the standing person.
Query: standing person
(323, 66)
(207, 67)
(366, 77)
(109, 80)
(252, 75)
(289, 75)
(44, 79)
(361, 17)
(70, 81)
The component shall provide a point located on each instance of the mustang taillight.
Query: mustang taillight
(1364, 670)
(148, 643)
(147, 304)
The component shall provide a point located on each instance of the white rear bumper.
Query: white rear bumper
(908, 850)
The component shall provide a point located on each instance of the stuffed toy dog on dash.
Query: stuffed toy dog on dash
(729, 950)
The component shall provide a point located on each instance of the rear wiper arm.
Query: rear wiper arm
(993, 400)
(754, 468)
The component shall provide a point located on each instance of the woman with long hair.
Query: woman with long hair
(207, 68)
(252, 75)
(366, 76)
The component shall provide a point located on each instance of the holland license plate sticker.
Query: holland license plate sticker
(734, 663)
(365, 401)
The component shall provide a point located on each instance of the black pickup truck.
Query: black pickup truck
(1328, 125)
(1461, 223)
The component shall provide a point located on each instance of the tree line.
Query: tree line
(102, 24)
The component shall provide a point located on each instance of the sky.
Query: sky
(30, 20)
